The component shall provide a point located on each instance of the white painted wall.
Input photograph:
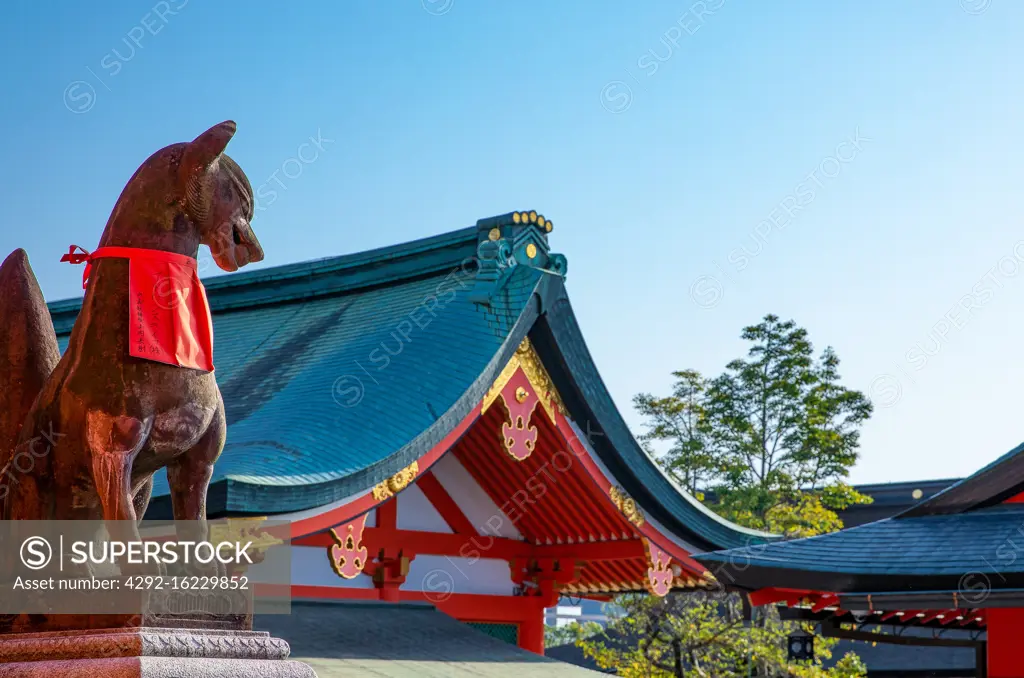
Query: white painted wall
(472, 499)
(441, 576)
(415, 512)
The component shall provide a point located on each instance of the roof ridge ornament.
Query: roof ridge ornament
(510, 240)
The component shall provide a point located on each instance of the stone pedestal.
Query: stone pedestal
(148, 653)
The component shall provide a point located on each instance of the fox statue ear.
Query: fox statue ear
(208, 146)
(199, 155)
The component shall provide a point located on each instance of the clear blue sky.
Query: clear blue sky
(660, 144)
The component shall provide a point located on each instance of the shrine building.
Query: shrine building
(951, 567)
(429, 419)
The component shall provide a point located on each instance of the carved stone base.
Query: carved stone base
(148, 653)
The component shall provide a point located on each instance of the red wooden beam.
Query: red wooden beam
(824, 600)
(413, 542)
(910, 616)
(445, 505)
(890, 615)
(772, 594)
(387, 515)
(951, 616)
(971, 617)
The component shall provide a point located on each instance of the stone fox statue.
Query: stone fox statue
(83, 435)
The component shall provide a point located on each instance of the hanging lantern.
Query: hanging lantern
(801, 647)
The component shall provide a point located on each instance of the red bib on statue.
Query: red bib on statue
(169, 317)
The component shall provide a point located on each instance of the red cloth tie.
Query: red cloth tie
(169, 316)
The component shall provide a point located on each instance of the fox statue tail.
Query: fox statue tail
(28, 351)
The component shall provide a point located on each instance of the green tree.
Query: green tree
(774, 436)
(570, 633)
(705, 635)
(681, 420)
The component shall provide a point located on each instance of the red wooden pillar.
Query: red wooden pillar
(543, 578)
(1005, 650)
(531, 631)
(389, 565)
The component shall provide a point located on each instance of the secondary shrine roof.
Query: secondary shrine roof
(896, 554)
(339, 373)
(961, 546)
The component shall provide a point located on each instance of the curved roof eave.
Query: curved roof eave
(559, 341)
(241, 495)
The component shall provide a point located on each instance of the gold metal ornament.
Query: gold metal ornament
(526, 358)
(626, 505)
(396, 483)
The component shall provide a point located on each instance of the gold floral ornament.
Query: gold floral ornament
(522, 385)
(396, 483)
(527, 359)
(626, 505)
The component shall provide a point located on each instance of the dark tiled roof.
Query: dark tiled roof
(901, 494)
(890, 499)
(991, 485)
(925, 553)
(387, 640)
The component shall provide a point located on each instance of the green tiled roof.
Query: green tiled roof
(329, 368)
(338, 373)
